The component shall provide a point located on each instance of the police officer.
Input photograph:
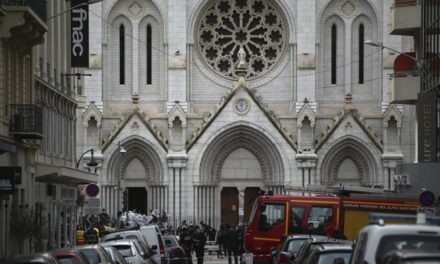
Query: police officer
(199, 240)
(187, 242)
(231, 243)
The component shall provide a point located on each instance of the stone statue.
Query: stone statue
(241, 58)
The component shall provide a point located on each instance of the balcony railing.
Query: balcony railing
(26, 121)
(38, 6)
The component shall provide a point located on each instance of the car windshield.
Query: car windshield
(294, 245)
(330, 257)
(92, 255)
(124, 250)
(398, 242)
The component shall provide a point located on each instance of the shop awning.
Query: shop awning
(63, 175)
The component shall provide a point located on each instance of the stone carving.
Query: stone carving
(226, 26)
(135, 9)
(348, 8)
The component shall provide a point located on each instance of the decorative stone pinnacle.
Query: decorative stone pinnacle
(348, 100)
(135, 99)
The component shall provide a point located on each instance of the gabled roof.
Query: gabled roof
(145, 120)
(342, 115)
(241, 84)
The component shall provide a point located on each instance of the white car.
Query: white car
(375, 240)
(131, 250)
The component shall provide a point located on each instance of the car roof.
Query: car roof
(409, 254)
(334, 247)
(118, 242)
(397, 228)
(35, 258)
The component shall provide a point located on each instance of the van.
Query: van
(154, 237)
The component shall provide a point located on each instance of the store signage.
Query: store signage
(79, 33)
(8, 178)
(427, 127)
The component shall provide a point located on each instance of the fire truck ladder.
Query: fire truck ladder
(340, 190)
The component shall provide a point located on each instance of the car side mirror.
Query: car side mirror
(154, 247)
(292, 258)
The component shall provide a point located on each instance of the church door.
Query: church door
(229, 203)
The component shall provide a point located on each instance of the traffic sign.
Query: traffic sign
(92, 190)
(427, 198)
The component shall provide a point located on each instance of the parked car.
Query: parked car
(117, 258)
(96, 254)
(376, 240)
(329, 253)
(41, 258)
(123, 234)
(175, 252)
(154, 238)
(288, 249)
(309, 244)
(69, 256)
(411, 256)
(131, 250)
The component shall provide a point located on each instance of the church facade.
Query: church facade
(177, 129)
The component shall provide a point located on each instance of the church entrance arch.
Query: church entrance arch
(235, 166)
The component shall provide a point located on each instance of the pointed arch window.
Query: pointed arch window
(361, 53)
(121, 54)
(333, 54)
(149, 52)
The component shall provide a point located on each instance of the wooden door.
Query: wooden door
(229, 206)
(250, 193)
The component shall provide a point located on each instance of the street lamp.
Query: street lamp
(91, 163)
(121, 152)
(376, 44)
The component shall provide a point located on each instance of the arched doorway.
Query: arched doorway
(229, 206)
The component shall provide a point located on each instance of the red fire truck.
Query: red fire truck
(273, 216)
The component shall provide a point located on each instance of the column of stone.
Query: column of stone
(306, 53)
(177, 53)
(241, 204)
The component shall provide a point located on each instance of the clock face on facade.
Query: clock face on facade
(242, 106)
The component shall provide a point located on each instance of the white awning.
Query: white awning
(63, 175)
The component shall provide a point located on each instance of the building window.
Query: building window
(334, 53)
(149, 59)
(121, 54)
(361, 54)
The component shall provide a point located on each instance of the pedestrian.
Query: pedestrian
(240, 236)
(187, 243)
(231, 243)
(199, 241)
(220, 240)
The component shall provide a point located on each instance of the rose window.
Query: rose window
(227, 25)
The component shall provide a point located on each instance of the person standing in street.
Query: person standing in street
(187, 243)
(231, 243)
(199, 240)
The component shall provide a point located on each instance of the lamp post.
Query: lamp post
(121, 152)
(375, 44)
(91, 163)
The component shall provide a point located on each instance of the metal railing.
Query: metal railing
(38, 6)
(26, 121)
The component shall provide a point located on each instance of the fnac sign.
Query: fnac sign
(79, 16)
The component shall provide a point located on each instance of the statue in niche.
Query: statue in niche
(241, 58)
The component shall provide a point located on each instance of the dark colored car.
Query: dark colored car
(42, 258)
(308, 245)
(411, 256)
(175, 251)
(69, 256)
(329, 253)
(288, 248)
